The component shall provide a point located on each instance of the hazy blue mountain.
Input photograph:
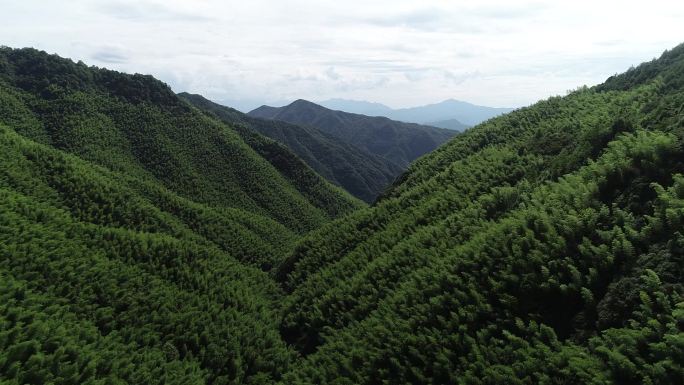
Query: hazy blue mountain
(466, 113)
(357, 107)
(398, 142)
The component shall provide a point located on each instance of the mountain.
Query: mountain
(397, 142)
(465, 113)
(449, 124)
(361, 173)
(543, 246)
(357, 107)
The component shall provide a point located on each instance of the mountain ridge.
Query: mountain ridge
(398, 142)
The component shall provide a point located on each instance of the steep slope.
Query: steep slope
(135, 231)
(398, 142)
(543, 246)
(136, 124)
(361, 173)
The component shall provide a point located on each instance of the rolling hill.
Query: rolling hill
(361, 173)
(397, 142)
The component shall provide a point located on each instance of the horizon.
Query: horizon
(495, 53)
(284, 103)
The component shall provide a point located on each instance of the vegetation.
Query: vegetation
(361, 173)
(541, 247)
(136, 125)
(135, 232)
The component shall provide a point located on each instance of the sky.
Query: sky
(400, 53)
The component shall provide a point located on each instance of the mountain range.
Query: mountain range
(446, 114)
(154, 238)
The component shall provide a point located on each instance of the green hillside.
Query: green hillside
(135, 232)
(98, 281)
(542, 247)
(361, 173)
(142, 241)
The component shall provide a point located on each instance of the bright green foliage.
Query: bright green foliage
(134, 232)
(151, 280)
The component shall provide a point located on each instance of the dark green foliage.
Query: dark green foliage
(398, 142)
(363, 174)
(133, 273)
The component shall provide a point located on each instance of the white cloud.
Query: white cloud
(400, 53)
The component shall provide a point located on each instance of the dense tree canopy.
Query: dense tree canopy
(135, 232)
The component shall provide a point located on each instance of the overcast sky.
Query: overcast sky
(400, 53)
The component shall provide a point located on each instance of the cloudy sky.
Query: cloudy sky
(400, 53)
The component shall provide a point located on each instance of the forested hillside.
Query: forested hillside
(135, 232)
(398, 142)
(544, 246)
(361, 173)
